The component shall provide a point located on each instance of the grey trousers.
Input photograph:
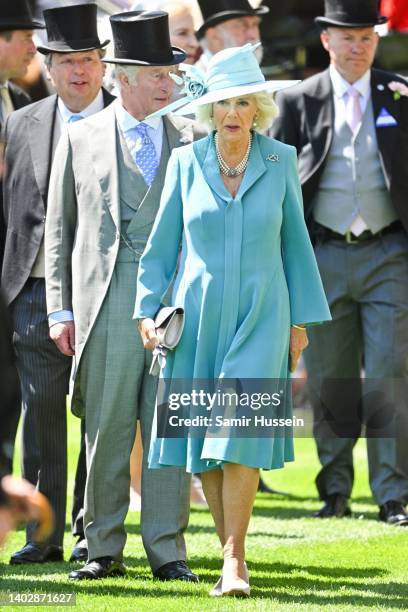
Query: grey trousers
(44, 373)
(367, 289)
(116, 388)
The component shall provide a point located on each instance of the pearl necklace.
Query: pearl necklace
(224, 167)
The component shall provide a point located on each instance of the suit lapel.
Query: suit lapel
(255, 169)
(210, 168)
(381, 99)
(40, 131)
(102, 135)
(319, 114)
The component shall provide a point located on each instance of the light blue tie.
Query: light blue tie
(145, 157)
(74, 118)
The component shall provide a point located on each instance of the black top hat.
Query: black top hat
(70, 29)
(351, 14)
(143, 38)
(16, 15)
(216, 11)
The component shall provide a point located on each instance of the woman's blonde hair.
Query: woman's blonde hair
(267, 111)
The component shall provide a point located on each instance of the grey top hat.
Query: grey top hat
(351, 14)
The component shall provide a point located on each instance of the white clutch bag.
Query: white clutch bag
(169, 323)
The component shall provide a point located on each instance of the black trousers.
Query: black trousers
(44, 373)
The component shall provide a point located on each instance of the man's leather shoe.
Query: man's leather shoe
(32, 553)
(175, 570)
(393, 513)
(79, 552)
(334, 505)
(102, 567)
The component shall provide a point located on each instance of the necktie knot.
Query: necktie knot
(74, 118)
(353, 92)
(141, 129)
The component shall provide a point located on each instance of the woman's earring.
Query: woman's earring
(254, 124)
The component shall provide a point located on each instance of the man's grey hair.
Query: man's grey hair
(130, 72)
(48, 57)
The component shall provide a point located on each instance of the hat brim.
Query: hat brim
(226, 15)
(69, 48)
(178, 57)
(7, 26)
(324, 22)
(233, 92)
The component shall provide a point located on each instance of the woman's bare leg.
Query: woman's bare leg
(212, 482)
(239, 488)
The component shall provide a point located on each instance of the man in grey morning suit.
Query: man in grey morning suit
(32, 134)
(104, 195)
(349, 125)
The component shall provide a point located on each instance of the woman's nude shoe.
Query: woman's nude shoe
(236, 588)
(216, 591)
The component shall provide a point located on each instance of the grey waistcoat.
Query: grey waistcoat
(138, 203)
(352, 182)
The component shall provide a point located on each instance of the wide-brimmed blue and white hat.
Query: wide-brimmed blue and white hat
(231, 73)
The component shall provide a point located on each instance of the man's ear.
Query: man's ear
(324, 38)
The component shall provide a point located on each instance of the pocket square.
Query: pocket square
(384, 119)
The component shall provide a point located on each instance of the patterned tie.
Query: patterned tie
(6, 106)
(145, 157)
(353, 109)
(75, 118)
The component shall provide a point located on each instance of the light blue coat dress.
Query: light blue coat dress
(247, 271)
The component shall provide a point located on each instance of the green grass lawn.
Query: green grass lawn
(296, 562)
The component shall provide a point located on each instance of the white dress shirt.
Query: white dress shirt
(64, 114)
(127, 123)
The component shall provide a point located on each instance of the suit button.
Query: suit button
(43, 219)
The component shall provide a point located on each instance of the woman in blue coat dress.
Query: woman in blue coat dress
(246, 278)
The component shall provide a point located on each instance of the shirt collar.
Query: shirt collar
(127, 122)
(340, 85)
(94, 107)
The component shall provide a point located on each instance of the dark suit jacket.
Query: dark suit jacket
(19, 99)
(28, 156)
(306, 122)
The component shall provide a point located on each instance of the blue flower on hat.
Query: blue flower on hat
(193, 80)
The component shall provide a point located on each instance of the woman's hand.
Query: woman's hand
(298, 343)
(147, 330)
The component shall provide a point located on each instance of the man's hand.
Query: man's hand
(147, 330)
(298, 343)
(63, 335)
